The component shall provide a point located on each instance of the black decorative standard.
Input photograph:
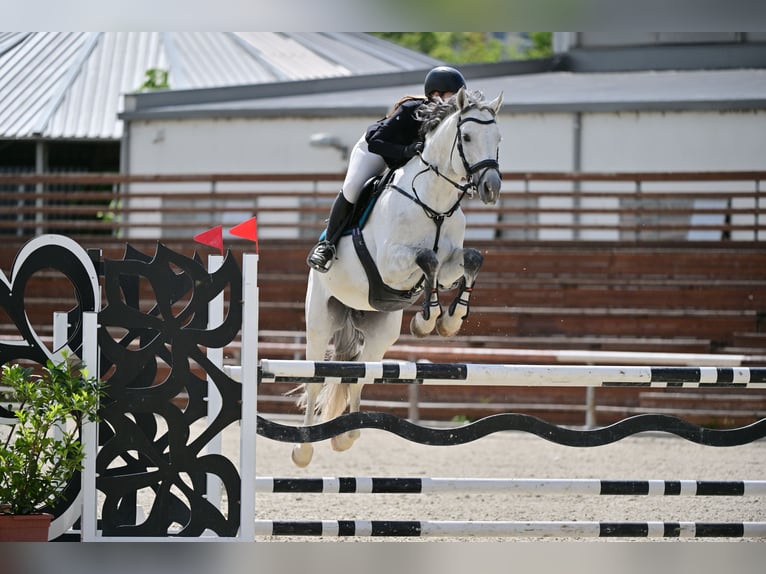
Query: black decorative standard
(44, 254)
(153, 356)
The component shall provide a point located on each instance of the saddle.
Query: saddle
(367, 199)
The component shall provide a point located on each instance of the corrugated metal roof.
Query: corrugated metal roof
(116, 64)
(71, 85)
(32, 75)
(545, 92)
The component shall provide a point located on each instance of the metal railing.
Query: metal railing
(713, 206)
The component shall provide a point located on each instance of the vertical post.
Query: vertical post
(639, 217)
(249, 380)
(413, 412)
(90, 357)
(214, 400)
(213, 189)
(757, 210)
(65, 521)
(20, 203)
(60, 332)
(577, 167)
(41, 166)
(528, 233)
(590, 407)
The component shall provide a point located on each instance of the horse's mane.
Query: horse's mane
(431, 114)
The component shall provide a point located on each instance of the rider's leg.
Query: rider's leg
(362, 165)
(323, 253)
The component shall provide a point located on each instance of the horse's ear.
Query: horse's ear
(497, 102)
(461, 98)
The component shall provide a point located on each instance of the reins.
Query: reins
(438, 217)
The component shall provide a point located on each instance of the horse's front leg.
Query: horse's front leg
(449, 324)
(423, 323)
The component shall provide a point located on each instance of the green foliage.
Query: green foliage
(469, 47)
(542, 45)
(42, 451)
(156, 79)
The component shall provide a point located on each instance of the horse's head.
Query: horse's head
(477, 139)
(462, 139)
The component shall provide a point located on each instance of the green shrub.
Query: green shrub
(42, 451)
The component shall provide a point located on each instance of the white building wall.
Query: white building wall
(241, 145)
(674, 141)
(623, 141)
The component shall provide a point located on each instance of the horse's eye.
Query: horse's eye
(466, 138)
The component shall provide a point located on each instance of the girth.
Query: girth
(382, 297)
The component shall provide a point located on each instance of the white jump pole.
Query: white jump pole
(541, 486)
(214, 401)
(90, 356)
(249, 380)
(64, 522)
(503, 529)
(514, 375)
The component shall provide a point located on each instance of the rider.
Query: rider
(390, 142)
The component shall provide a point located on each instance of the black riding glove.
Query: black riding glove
(412, 149)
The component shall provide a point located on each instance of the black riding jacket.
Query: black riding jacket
(390, 136)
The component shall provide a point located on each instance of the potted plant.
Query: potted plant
(42, 450)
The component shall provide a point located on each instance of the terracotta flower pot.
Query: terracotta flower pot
(24, 527)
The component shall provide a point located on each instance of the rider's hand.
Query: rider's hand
(413, 148)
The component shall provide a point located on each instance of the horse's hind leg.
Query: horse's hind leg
(321, 321)
(303, 453)
(381, 330)
(353, 394)
(449, 324)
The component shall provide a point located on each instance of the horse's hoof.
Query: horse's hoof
(302, 454)
(419, 328)
(443, 329)
(344, 441)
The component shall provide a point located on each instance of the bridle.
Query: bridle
(484, 164)
(470, 187)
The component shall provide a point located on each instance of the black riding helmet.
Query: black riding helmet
(443, 79)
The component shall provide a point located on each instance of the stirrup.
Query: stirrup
(321, 256)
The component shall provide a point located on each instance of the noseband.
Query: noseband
(470, 170)
(469, 187)
(485, 164)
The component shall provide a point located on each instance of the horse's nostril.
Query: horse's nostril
(489, 194)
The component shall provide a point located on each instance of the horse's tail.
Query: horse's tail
(348, 342)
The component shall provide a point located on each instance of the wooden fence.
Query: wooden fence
(713, 206)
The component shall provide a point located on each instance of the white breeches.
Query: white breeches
(362, 165)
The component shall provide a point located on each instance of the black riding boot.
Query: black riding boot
(323, 253)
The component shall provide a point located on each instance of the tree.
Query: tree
(470, 47)
(542, 45)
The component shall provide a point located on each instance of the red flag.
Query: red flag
(212, 237)
(247, 230)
